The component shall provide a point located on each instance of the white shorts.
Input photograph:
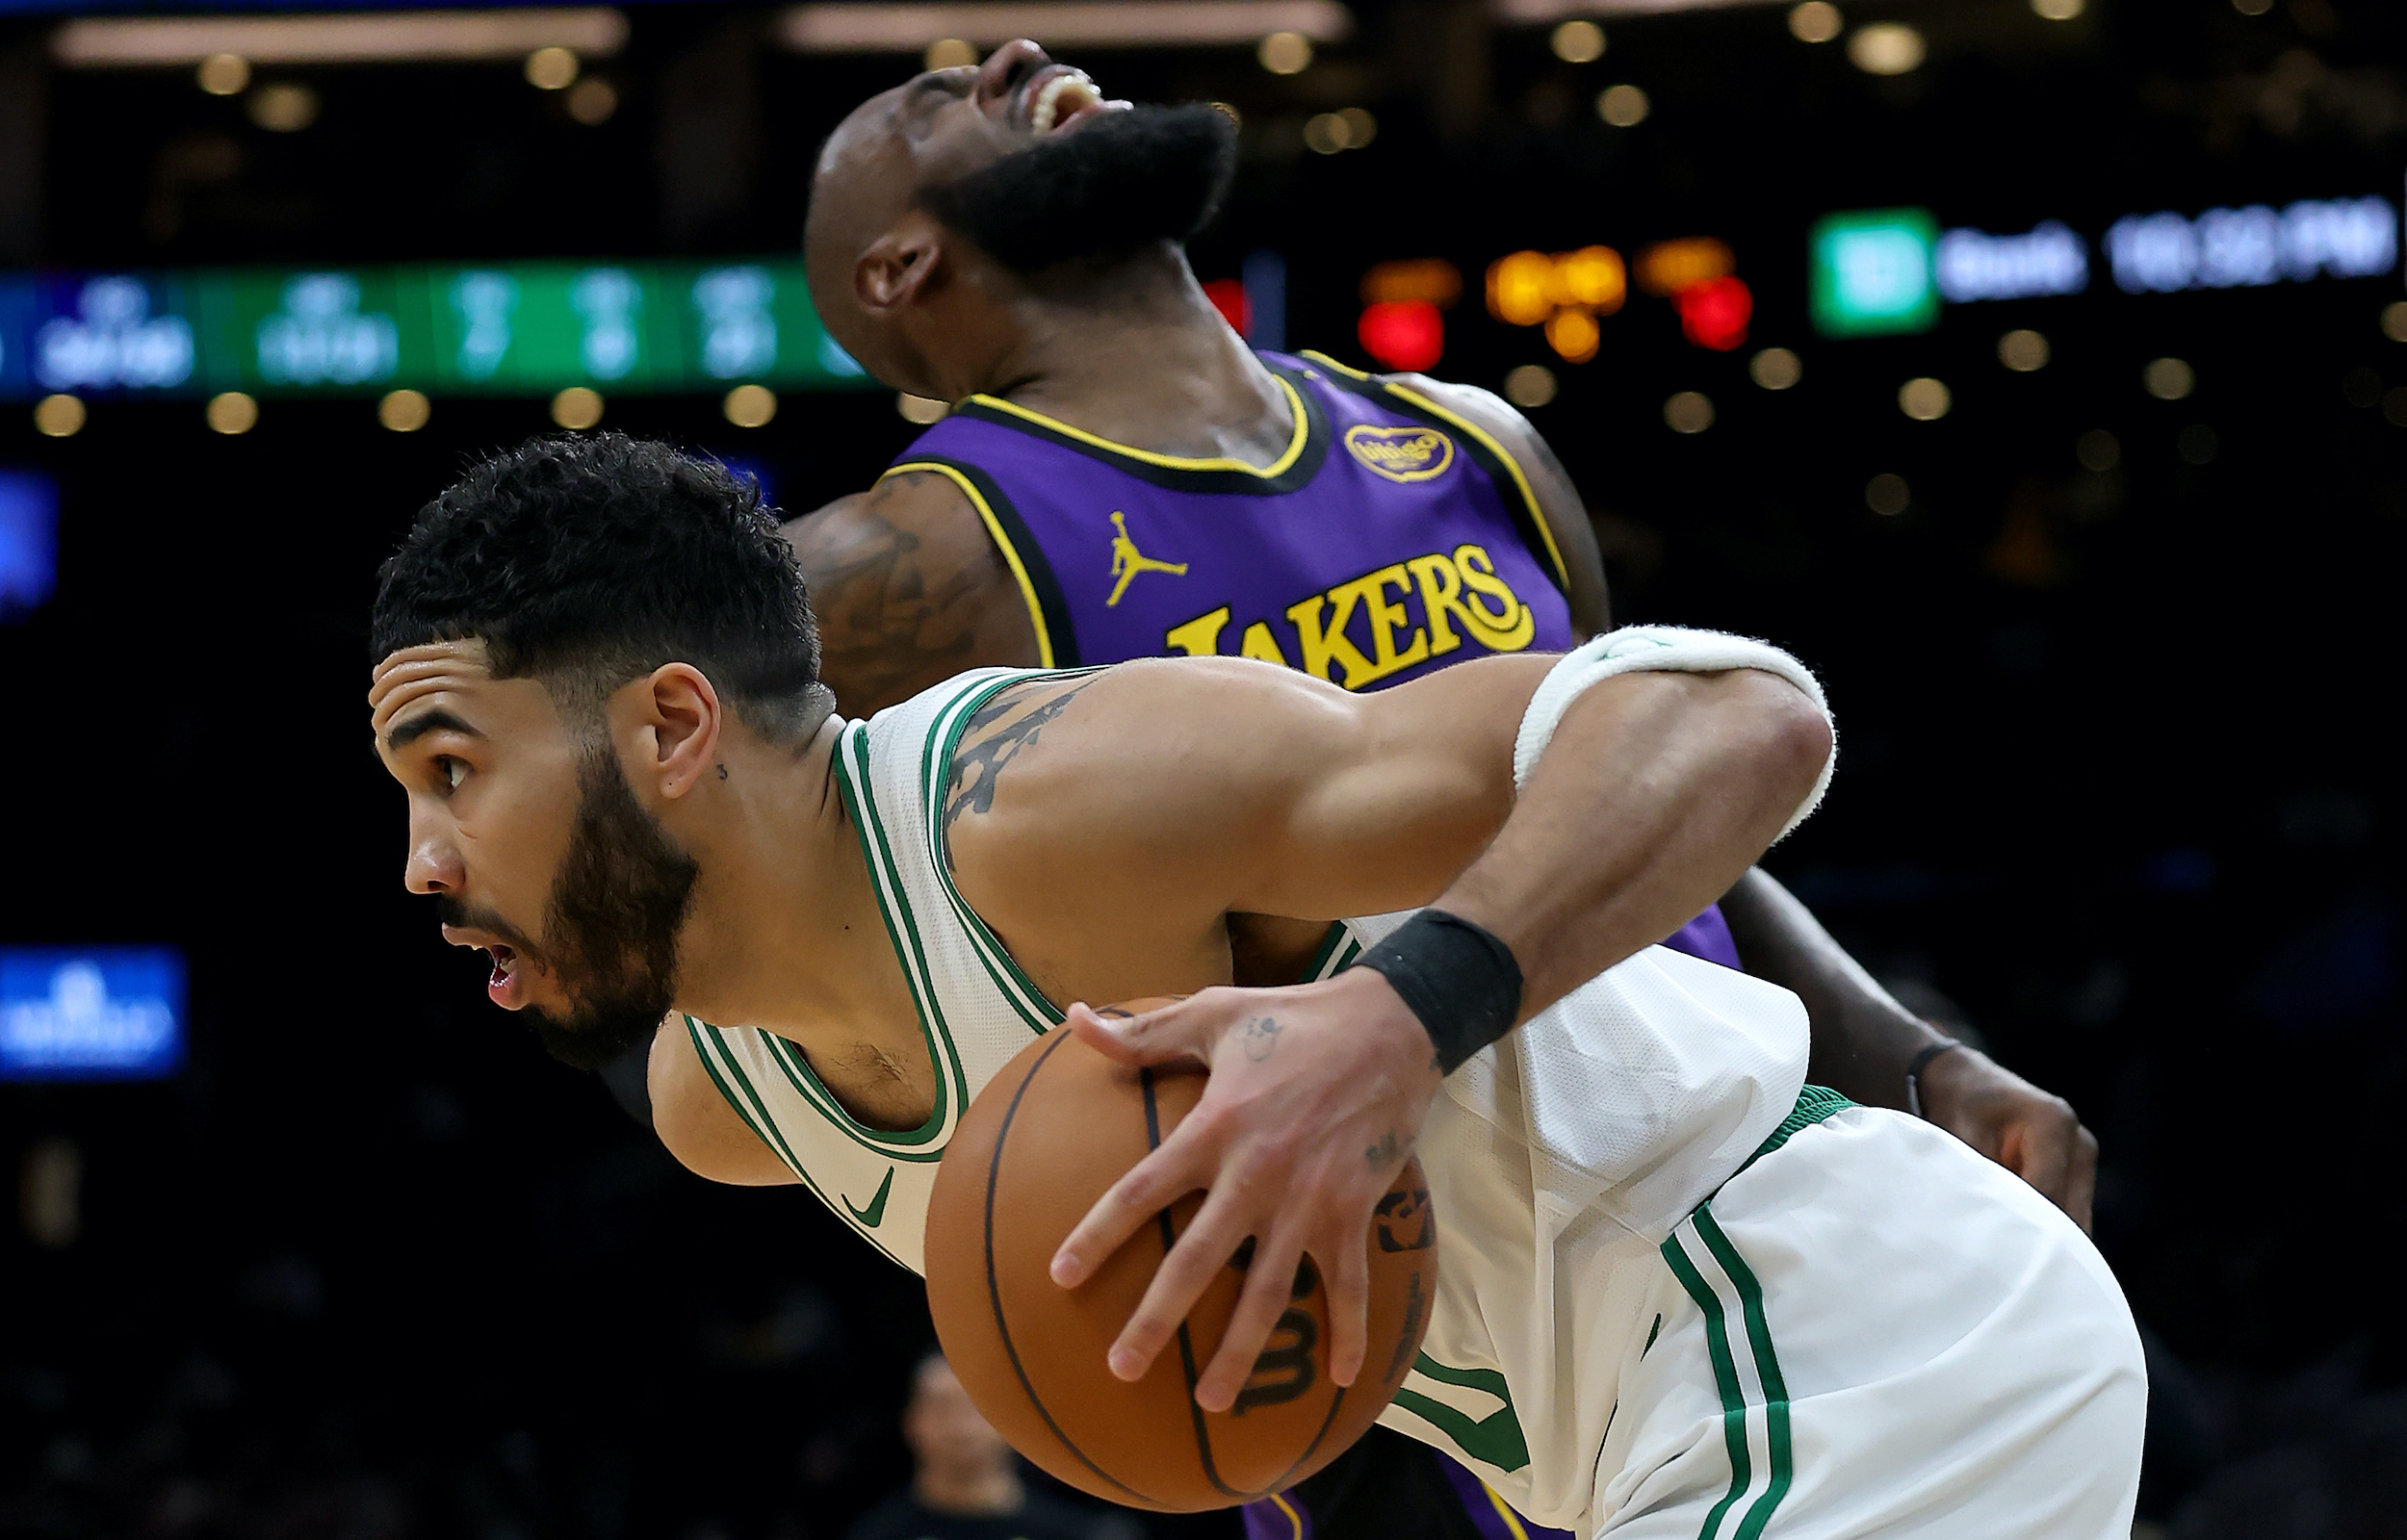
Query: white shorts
(1873, 1332)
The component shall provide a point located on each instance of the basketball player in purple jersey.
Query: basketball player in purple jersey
(1120, 477)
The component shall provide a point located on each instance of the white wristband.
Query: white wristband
(1643, 649)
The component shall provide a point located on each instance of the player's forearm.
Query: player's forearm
(1863, 1038)
(1656, 793)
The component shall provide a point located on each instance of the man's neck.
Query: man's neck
(969, 1494)
(1137, 354)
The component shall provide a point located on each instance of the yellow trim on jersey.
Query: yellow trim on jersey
(1511, 1519)
(1174, 462)
(1002, 543)
(1529, 495)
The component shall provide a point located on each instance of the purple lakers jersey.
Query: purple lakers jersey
(1390, 539)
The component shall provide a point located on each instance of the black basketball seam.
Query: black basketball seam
(1186, 1343)
(993, 1286)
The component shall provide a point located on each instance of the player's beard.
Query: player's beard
(1119, 181)
(610, 936)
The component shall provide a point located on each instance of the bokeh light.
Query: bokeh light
(553, 68)
(1689, 412)
(1775, 368)
(1285, 53)
(1573, 335)
(2098, 450)
(2169, 379)
(1887, 494)
(1529, 386)
(1886, 48)
(404, 411)
(2023, 350)
(749, 405)
(1925, 399)
(949, 53)
(223, 74)
(231, 412)
(1407, 334)
(577, 408)
(59, 416)
(1578, 42)
(1815, 21)
(1623, 106)
(921, 409)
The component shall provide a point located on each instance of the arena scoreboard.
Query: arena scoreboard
(502, 329)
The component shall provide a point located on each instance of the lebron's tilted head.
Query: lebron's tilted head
(570, 645)
(937, 202)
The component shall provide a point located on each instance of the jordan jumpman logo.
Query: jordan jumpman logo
(1127, 561)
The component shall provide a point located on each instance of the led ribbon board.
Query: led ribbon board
(505, 329)
(90, 1012)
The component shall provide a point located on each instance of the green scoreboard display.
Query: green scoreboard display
(502, 329)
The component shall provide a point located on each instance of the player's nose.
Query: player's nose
(432, 864)
(1006, 66)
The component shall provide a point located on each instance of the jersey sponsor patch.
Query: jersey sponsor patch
(1415, 453)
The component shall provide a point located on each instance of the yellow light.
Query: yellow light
(232, 412)
(551, 68)
(1886, 48)
(1925, 399)
(2169, 379)
(577, 408)
(1520, 288)
(1529, 386)
(1360, 127)
(1579, 43)
(921, 409)
(283, 108)
(1325, 133)
(404, 411)
(1573, 333)
(1431, 278)
(59, 417)
(1815, 21)
(1887, 494)
(2024, 350)
(1623, 106)
(1689, 412)
(949, 53)
(223, 74)
(750, 405)
(1592, 277)
(592, 101)
(2394, 320)
(1667, 267)
(1775, 368)
(1285, 53)
(2060, 10)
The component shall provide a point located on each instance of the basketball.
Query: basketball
(1045, 1138)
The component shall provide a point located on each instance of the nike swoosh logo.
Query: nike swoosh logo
(870, 1216)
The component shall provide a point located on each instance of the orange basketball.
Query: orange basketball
(1055, 1128)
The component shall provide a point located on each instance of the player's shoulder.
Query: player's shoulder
(911, 498)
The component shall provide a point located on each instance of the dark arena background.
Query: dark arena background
(2039, 373)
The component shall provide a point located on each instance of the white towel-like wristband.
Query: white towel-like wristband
(1638, 649)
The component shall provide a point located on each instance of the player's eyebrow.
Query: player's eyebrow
(913, 107)
(403, 735)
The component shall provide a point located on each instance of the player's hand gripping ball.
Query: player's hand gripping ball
(1047, 1136)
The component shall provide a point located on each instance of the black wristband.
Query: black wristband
(1914, 1073)
(1460, 980)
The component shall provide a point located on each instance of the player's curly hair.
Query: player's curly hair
(588, 560)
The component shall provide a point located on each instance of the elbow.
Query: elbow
(1796, 741)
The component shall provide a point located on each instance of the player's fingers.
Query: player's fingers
(1269, 1287)
(1184, 1162)
(1345, 1262)
(1211, 1240)
(2045, 1150)
(2080, 1187)
(1173, 1032)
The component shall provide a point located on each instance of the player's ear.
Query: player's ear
(683, 718)
(898, 264)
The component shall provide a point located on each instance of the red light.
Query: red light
(1228, 297)
(1713, 313)
(1402, 333)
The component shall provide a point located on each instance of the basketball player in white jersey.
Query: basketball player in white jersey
(1680, 1291)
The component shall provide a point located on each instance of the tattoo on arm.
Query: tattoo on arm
(983, 753)
(890, 622)
(1388, 1151)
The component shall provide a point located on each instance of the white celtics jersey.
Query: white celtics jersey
(1557, 1159)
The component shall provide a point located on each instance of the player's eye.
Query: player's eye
(449, 772)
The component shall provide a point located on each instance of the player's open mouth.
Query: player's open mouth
(1061, 96)
(506, 988)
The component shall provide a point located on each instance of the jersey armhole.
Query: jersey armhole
(1049, 613)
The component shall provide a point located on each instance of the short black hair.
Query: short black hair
(587, 560)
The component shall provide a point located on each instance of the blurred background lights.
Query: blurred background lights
(2394, 320)
(404, 411)
(282, 106)
(2169, 379)
(223, 74)
(2395, 405)
(1406, 334)
(2023, 350)
(1925, 399)
(1573, 335)
(1328, 132)
(1775, 368)
(1431, 278)
(553, 68)
(29, 542)
(1361, 126)
(1815, 21)
(750, 405)
(1529, 386)
(1669, 266)
(1285, 53)
(2198, 444)
(1623, 106)
(1689, 412)
(59, 417)
(2058, 9)
(232, 412)
(1887, 494)
(592, 101)
(920, 409)
(2361, 387)
(1593, 277)
(577, 408)
(1520, 288)
(1713, 313)
(1886, 48)
(1579, 43)
(2098, 450)
(949, 53)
